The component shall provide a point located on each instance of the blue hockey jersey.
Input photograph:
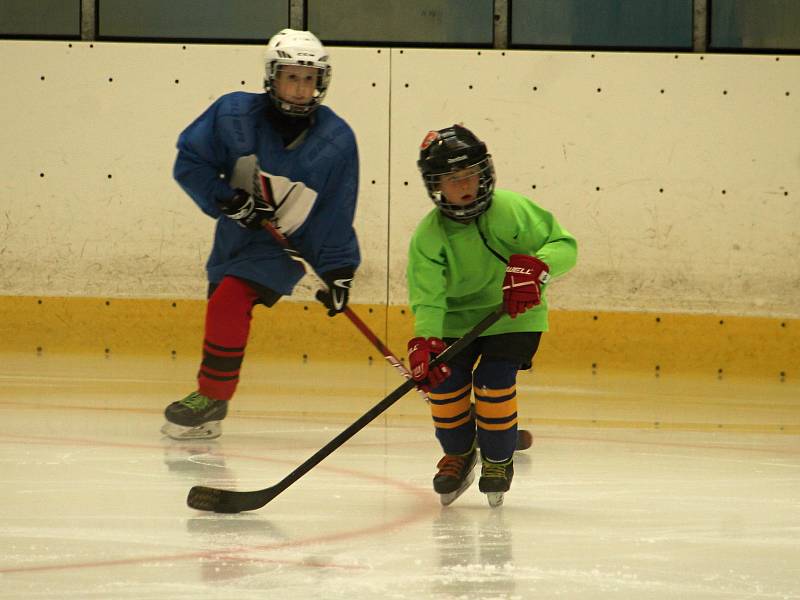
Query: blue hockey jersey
(315, 184)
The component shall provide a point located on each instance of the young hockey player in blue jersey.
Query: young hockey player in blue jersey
(478, 248)
(280, 156)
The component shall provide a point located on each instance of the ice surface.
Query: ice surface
(93, 506)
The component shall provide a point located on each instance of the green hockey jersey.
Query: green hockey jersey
(455, 277)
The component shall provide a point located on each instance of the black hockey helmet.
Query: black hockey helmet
(450, 150)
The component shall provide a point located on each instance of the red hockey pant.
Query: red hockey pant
(228, 316)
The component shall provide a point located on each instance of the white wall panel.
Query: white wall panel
(677, 173)
(694, 156)
(89, 129)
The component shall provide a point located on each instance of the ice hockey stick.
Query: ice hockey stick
(524, 437)
(230, 501)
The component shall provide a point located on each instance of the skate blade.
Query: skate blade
(449, 498)
(495, 498)
(206, 431)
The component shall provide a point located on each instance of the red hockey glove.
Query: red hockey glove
(421, 352)
(522, 284)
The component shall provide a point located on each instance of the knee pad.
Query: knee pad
(496, 395)
(495, 374)
(450, 402)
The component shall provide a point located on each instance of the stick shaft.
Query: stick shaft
(284, 242)
(381, 406)
(228, 501)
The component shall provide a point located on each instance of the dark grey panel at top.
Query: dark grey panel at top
(602, 23)
(755, 24)
(42, 17)
(192, 19)
(454, 22)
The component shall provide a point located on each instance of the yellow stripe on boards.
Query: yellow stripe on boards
(663, 344)
(670, 344)
(174, 327)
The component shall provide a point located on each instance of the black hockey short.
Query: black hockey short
(266, 296)
(515, 347)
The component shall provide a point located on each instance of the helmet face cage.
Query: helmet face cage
(302, 49)
(453, 150)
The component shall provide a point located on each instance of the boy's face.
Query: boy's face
(296, 84)
(461, 187)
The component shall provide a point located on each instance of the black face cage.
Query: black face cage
(484, 196)
(321, 88)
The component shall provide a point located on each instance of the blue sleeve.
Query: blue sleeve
(328, 238)
(200, 161)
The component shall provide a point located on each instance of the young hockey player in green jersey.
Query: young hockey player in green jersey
(478, 248)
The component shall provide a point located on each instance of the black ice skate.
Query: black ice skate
(495, 480)
(195, 417)
(455, 475)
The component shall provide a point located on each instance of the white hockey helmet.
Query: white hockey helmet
(301, 48)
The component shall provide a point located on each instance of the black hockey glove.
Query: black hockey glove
(336, 296)
(247, 210)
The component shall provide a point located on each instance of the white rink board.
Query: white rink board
(699, 185)
(76, 231)
(699, 189)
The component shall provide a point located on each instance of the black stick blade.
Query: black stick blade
(206, 498)
(227, 501)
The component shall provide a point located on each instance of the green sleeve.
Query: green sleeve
(426, 279)
(546, 239)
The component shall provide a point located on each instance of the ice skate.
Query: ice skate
(455, 475)
(195, 417)
(495, 480)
